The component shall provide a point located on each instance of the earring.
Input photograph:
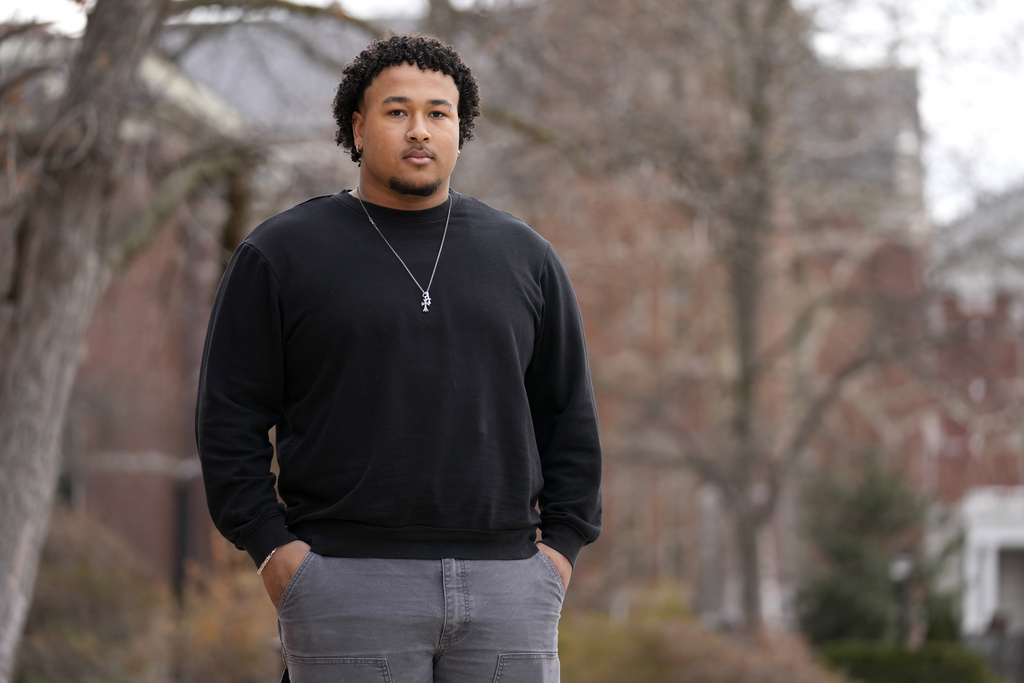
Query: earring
(458, 154)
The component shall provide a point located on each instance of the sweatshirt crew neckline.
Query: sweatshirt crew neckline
(389, 215)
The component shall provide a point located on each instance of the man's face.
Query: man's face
(408, 128)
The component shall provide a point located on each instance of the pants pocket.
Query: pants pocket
(338, 669)
(527, 667)
(290, 588)
(552, 573)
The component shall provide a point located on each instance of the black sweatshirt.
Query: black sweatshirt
(400, 433)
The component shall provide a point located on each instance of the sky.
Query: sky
(970, 60)
(71, 18)
(969, 54)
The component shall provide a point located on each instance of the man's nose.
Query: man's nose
(418, 129)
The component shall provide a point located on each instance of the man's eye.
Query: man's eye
(396, 112)
(439, 114)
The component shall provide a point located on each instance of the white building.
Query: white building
(992, 520)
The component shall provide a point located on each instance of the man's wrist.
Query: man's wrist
(266, 561)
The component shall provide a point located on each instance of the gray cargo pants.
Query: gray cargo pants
(353, 620)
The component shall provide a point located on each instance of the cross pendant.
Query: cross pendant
(426, 302)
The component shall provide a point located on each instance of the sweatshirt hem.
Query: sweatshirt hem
(351, 539)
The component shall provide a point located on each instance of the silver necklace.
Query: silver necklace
(425, 302)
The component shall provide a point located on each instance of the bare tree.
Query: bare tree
(722, 230)
(64, 253)
(83, 191)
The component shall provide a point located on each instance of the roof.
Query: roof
(44, 59)
(282, 75)
(982, 254)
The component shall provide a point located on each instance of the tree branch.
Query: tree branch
(137, 231)
(179, 7)
(811, 421)
(540, 135)
(334, 10)
(8, 30)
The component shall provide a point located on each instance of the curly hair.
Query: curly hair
(426, 52)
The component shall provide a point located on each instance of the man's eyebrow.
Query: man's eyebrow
(401, 99)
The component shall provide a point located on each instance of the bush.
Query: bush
(229, 628)
(943, 618)
(840, 607)
(872, 662)
(97, 615)
(856, 525)
(100, 616)
(661, 643)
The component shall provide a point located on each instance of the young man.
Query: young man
(422, 358)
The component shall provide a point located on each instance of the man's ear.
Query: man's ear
(357, 129)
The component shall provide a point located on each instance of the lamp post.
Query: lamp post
(900, 569)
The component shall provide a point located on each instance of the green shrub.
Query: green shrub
(871, 662)
(839, 607)
(943, 618)
(855, 525)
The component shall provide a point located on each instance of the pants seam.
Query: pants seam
(444, 620)
(465, 596)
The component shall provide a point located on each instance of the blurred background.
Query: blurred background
(796, 231)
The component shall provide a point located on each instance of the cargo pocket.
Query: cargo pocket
(335, 669)
(527, 667)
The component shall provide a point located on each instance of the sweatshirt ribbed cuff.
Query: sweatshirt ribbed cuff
(564, 539)
(271, 534)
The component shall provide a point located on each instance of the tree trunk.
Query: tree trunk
(60, 269)
(747, 530)
(35, 382)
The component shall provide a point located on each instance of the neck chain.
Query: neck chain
(425, 302)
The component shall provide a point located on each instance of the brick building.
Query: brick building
(976, 437)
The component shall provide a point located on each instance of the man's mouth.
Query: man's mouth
(419, 156)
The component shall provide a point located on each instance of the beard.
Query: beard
(422, 190)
